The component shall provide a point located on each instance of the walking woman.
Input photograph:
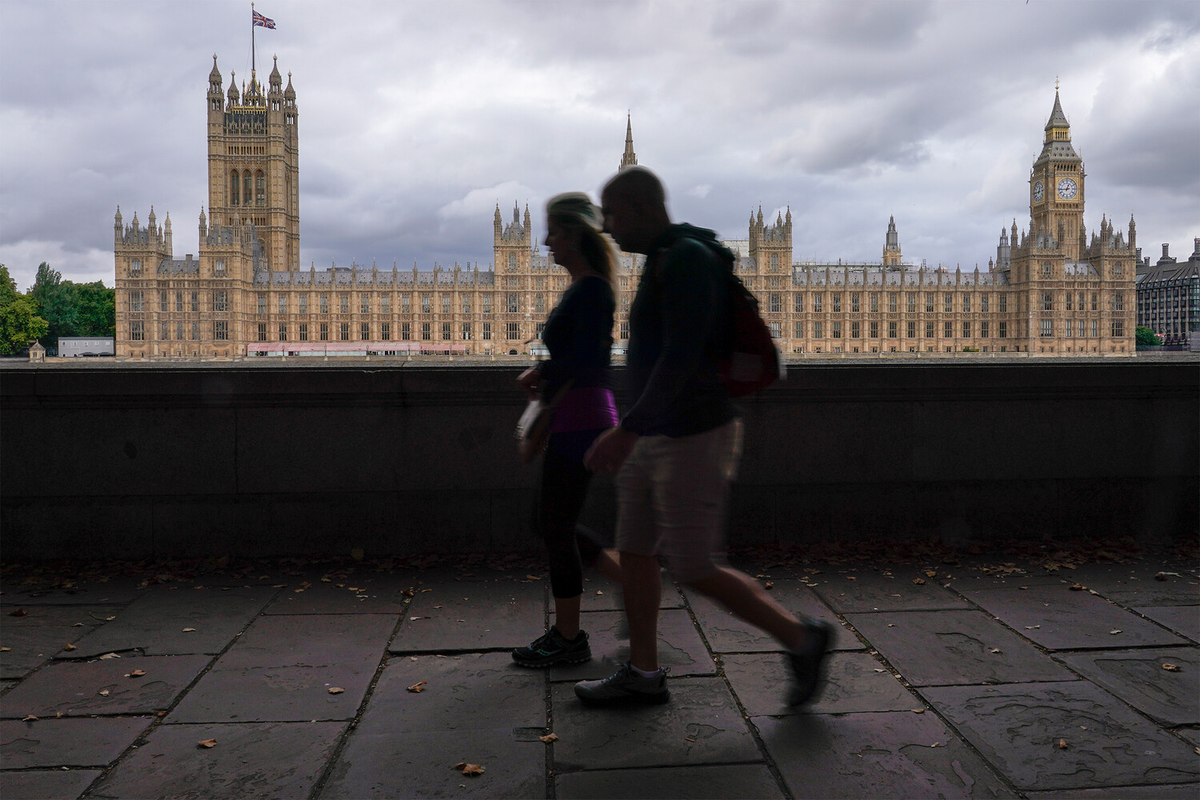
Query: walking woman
(578, 334)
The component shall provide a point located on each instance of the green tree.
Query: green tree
(96, 306)
(1147, 337)
(19, 323)
(56, 303)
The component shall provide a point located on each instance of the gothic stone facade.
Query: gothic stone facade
(1049, 291)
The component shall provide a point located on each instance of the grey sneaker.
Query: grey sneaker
(807, 663)
(626, 686)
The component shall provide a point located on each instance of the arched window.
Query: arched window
(260, 188)
(247, 188)
(234, 185)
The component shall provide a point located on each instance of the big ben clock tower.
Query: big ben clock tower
(1056, 187)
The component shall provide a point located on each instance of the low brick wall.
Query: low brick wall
(125, 461)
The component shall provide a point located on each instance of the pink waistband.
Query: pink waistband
(586, 409)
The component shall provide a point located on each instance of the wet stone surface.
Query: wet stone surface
(103, 687)
(67, 742)
(854, 682)
(464, 616)
(33, 645)
(1184, 620)
(1018, 727)
(46, 784)
(1060, 619)
(155, 624)
(894, 754)
(932, 648)
(1138, 678)
(260, 760)
(700, 725)
(867, 591)
(685, 783)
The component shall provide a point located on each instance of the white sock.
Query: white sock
(643, 672)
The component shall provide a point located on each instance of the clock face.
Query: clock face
(1067, 188)
(1039, 192)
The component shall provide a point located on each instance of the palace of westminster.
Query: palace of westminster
(1052, 290)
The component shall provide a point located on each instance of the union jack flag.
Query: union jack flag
(263, 22)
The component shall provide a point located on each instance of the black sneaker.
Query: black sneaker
(625, 686)
(551, 648)
(807, 663)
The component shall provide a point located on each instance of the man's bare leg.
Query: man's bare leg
(747, 599)
(642, 583)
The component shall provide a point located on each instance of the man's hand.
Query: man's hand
(529, 380)
(609, 452)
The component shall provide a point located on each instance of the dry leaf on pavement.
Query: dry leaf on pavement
(20, 612)
(30, 718)
(137, 673)
(919, 581)
(469, 769)
(336, 690)
(68, 646)
(417, 687)
(189, 630)
(1171, 667)
(1062, 744)
(104, 692)
(549, 737)
(207, 743)
(1076, 587)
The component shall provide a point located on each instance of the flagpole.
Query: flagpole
(252, 54)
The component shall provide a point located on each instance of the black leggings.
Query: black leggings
(564, 489)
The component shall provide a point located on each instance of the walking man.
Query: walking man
(676, 450)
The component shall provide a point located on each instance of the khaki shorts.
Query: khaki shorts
(672, 497)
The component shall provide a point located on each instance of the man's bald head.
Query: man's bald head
(635, 209)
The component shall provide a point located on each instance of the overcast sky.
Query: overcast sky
(417, 118)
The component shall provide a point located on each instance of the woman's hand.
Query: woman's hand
(610, 450)
(529, 380)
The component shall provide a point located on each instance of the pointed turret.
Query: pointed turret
(1132, 233)
(289, 93)
(629, 157)
(498, 223)
(1057, 118)
(275, 78)
(168, 243)
(233, 90)
(203, 225)
(528, 225)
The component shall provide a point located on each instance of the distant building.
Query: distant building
(1168, 298)
(75, 346)
(1049, 291)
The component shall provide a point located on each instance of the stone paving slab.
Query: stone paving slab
(467, 616)
(1184, 620)
(1178, 790)
(155, 623)
(1190, 734)
(31, 645)
(1138, 678)
(470, 691)
(1134, 584)
(1060, 619)
(281, 670)
(248, 761)
(700, 725)
(361, 595)
(46, 784)
(404, 765)
(876, 755)
(479, 708)
(1018, 727)
(854, 682)
(74, 688)
(83, 742)
(872, 591)
(679, 646)
(611, 599)
(955, 647)
(88, 617)
(673, 783)
(120, 591)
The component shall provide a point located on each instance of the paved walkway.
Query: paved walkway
(944, 681)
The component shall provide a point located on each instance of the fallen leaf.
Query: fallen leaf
(20, 612)
(599, 592)
(336, 690)
(5, 649)
(689, 739)
(936, 744)
(207, 743)
(469, 769)
(189, 630)
(995, 649)
(1171, 667)
(769, 585)
(69, 646)
(1076, 587)
(1160, 576)
(929, 573)
(1032, 627)
(881, 670)
(77, 625)
(104, 692)
(918, 711)
(549, 737)
(30, 718)
(1062, 744)
(137, 673)
(919, 581)
(107, 656)
(1114, 631)
(417, 687)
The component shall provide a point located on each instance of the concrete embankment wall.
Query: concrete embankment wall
(129, 461)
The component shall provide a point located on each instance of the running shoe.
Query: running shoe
(807, 663)
(626, 686)
(552, 648)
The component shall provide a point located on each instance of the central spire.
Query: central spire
(629, 158)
